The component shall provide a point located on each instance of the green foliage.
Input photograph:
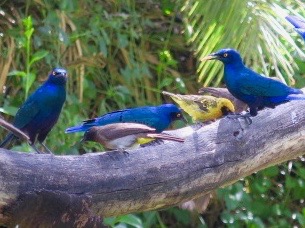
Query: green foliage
(25, 41)
(123, 53)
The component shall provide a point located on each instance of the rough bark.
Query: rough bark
(77, 190)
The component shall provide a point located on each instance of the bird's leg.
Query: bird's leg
(48, 151)
(122, 150)
(35, 148)
(125, 152)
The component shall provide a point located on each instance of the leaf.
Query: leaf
(10, 110)
(290, 182)
(131, 220)
(122, 41)
(29, 33)
(271, 171)
(38, 55)
(165, 82)
(17, 73)
(109, 221)
(29, 81)
(28, 23)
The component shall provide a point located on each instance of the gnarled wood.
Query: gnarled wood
(78, 189)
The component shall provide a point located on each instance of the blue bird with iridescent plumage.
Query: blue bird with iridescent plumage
(39, 113)
(250, 87)
(158, 117)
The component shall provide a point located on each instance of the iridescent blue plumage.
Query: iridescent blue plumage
(158, 117)
(39, 113)
(299, 24)
(250, 87)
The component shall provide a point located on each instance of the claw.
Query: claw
(246, 117)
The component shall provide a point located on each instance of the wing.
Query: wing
(194, 103)
(119, 130)
(144, 115)
(26, 113)
(108, 115)
(257, 85)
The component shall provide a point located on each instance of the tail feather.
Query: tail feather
(296, 97)
(7, 139)
(14, 130)
(165, 137)
(295, 91)
(79, 128)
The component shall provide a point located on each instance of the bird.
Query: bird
(202, 107)
(158, 117)
(17, 132)
(250, 87)
(239, 105)
(299, 23)
(120, 136)
(40, 111)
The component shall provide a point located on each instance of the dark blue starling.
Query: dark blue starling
(40, 112)
(158, 117)
(124, 135)
(298, 23)
(250, 87)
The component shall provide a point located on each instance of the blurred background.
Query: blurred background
(123, 53)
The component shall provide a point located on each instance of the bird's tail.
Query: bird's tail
(14, 130)
(7, 139)
(291, 97)
(79, 128)
(165, 137)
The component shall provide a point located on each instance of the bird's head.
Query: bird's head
(226, 106)
(226, 56)
(90, 135)
(58, 76)
(173, 111)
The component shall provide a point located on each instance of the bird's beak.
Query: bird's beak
(209, 57)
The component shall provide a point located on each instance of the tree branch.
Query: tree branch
(78, 189)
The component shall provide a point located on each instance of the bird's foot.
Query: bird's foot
(115, 154)
(125, 152)
(245, 116)
(197, 125)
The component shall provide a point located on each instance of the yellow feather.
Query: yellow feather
(144, 140)
(202, 107)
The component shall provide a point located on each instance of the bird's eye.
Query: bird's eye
(225, 55)
(54, 73)
(178, 115)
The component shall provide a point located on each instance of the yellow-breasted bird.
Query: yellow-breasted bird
(203, 107)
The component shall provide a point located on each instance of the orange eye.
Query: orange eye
(225, 55)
